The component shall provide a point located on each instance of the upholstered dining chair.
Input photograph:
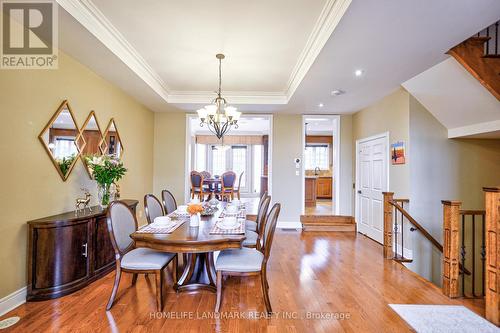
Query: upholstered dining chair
(252, 225)
(206, 174)
(238, 190)
(247, 261)
(152, 207)
(253, 238)
(197, 188)
(227, 190)
(129, 259)
(169, 203)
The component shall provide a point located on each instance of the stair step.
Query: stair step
(492, 56)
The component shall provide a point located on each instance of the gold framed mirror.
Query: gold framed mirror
(92, 134)
(111, 143)
(62, 140)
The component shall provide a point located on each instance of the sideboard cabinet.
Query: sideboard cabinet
(68, 251)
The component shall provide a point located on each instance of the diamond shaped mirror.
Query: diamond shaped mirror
(111, 144)
(62, 140)
(92, 134)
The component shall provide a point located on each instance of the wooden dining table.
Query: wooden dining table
(198, 244)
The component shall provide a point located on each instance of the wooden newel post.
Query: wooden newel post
(451, 218)
(388, 208)
(492, 269)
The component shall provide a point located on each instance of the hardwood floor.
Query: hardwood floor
(314, 272)
(323, 207)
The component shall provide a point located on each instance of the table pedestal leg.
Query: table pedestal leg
(199, 273)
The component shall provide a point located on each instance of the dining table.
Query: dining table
(199, 246)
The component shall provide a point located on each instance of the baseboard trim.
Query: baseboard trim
(13, 300)
(289, 225)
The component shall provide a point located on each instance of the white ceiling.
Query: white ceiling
(282, 56)
(455, 98)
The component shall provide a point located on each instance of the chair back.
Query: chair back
(169, 203)
(206, 174)
(269, 228)
(239, 180)
(262, 214)
(228, 179)
(262, 200)
(121, 223)
(152, 207)
(196, 180)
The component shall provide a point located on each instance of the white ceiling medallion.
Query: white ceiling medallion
(89, 16)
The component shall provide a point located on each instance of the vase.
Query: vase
(194, 220)
(104, 195)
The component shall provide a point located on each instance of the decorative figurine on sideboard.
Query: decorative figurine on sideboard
(83, 201)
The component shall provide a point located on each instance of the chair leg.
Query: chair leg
(159, 290)
(219, 291)
(118, 276)
(265, 292)
(134, 278)
(174, 270)
(238, 193)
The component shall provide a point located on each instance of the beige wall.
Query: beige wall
(286, 185)
(346, 166)
(170, 153)
(444, 169)
(391, 114)
(31, 186)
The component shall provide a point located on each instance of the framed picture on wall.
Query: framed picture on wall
(398, 153)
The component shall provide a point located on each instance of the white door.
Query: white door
(372, 165)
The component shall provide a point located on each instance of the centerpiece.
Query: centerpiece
(194, 210)
(106, 170)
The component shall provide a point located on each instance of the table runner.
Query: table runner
(154, 229)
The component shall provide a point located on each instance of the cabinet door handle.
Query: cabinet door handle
(85, 247)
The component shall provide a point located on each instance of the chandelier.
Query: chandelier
(218, 115)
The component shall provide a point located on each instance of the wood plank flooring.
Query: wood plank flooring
(314, 272)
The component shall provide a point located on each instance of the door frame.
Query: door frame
(336, 160)
(190, 151)
(385, 136)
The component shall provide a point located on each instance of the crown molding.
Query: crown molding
(233, 97)
(325, 25)
(88, 15)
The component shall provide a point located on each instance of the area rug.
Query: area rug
(442, 318)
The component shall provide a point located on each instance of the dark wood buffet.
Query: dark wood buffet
(68, 251)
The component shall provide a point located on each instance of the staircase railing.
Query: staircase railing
(463, 248)
(490, 35)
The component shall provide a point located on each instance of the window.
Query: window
(201, 157)
(239, 158)
(218, 161)
(317, 156)
(64, 147)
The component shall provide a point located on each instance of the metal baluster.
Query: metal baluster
(473, 255)
(402, 232)
(496, 38)
(483, 251)
(396, 232)
(488, 42)
(462, 254)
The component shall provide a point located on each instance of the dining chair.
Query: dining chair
(152, 208)
(252, 225)
(253, 238)
(227, 190)
(245, 261)
(237, 191)
(206, 174)
(197, 186)
(169, 203)
(121, 223)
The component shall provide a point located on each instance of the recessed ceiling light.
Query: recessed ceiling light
(358, 72)
(337, 92)
(321, 105)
